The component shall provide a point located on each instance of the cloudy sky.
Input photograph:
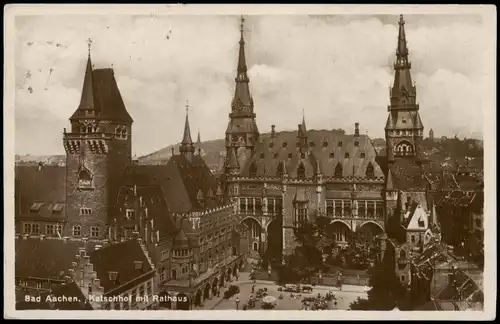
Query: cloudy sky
(337, 68)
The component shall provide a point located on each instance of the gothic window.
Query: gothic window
(338, 171)
(77, 230)
(340, 144)
(370, 172)
(84, 179)
(253, 170)
(121, 132)
(301, 215)
(362, 155)
(301, 171)
(279, 170)
(284, 144)
(94, 231)
(289, 155)
(332, 155)
(30, 228)
(356, 143)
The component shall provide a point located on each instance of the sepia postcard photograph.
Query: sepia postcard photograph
(250, 162)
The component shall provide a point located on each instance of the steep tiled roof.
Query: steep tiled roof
(408, 175)
(326, 147)
(49, 258)
(180, 180)
(46, 186)
(107, 99)
(120, 258)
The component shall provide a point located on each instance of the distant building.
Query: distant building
(431, 134)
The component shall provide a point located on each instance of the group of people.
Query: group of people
(319, 302)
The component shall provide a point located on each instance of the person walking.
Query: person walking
(253, 288)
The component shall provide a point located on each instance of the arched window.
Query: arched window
(255, 246)
(370, 172)
(253, 170)
(174, 274)
(84, 178)
(279, 170)
(338, 171)
(301, 172)
(402, 254)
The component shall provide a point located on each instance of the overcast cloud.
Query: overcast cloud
(337, 68)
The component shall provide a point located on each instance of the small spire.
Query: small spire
(186, 139)
(198, 143)
(89, 44)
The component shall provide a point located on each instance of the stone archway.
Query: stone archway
(274, 250)
(215, 285)
(255, 231)
(206, 292)
(182, 301)
(368, 231)
(197, 298)
(341, 232)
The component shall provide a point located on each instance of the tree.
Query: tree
(386, 292)
(314, 241)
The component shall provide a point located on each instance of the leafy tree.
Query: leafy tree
(315, 240)
(386, 292)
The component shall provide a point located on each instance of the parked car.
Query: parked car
(308, 289)
(231, 291)
(291, 288)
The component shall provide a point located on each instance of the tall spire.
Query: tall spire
(187, 146)
(242, 101)
(304, 129)
(403, 92)
(87, 99)
(186, 139)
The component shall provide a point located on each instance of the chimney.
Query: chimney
(137, 265)
(113, 276)
(40, 164)
(172, 149)
(273, 131)
(356, 129)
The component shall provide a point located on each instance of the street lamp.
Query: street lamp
(237, 303)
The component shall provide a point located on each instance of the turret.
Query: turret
(187, 147)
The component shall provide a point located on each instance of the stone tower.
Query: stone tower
(98, 149)
(241, 133)
(404, 128)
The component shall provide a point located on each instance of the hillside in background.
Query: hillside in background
(445, 151)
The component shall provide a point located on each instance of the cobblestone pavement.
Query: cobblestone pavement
(345, 297)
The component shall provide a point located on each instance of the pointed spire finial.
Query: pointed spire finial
(187, 107)
(89, 44)
(401, 20)
(242, 27)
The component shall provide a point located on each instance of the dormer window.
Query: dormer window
(325, 144)
(284, 144)
(403, 121)
(253, 170)
(57, 207)
(121, 132)
(332, 155)
(346, 155)
(301, 171)
(356, 143)
(262, 155)
(275, 155)
(311, 144)
(340, 144)
(370, 172)
(36, 207)
(338, 171)
(362, 155)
